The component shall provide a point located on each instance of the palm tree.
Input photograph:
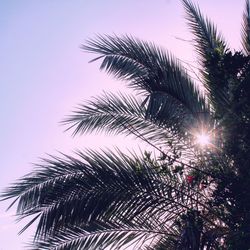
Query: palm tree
(183, 195)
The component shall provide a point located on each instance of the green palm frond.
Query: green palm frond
(149, 68)
(123, 114)
(246, 29)
(110, 235)
(207, 38)
(106, 187)
(164, 110)
(164, 243)
(211, 49)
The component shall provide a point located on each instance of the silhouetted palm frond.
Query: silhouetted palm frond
(110, 189)
(109, 234)
(123, 114)
(150, 69)
(207, 38)
(211, 48)
(246, 29)
(163, 243)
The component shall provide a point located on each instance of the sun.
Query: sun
(203, 139)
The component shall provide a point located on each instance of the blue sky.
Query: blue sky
(44, 73)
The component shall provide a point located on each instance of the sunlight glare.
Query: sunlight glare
(202, 139)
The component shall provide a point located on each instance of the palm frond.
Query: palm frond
(211, 48)
(246, 29)
(110, 235)
(123, 114)
(106, 187)
(164, 110)
(164, 243)
(148, 68)
(207, 38)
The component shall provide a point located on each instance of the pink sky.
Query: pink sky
(44, 74)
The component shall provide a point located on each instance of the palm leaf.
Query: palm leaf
(207, 38)
(246, 29)
(164, 243)
(148, 68)
(105, 187)
(211, 48)
(113, 236)
(123, 114)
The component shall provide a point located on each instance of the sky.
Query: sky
(45, 74)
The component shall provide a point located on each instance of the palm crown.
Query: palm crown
(183, 197)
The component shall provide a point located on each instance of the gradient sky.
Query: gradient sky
(44, 73)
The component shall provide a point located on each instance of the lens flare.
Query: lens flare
(202, 139)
